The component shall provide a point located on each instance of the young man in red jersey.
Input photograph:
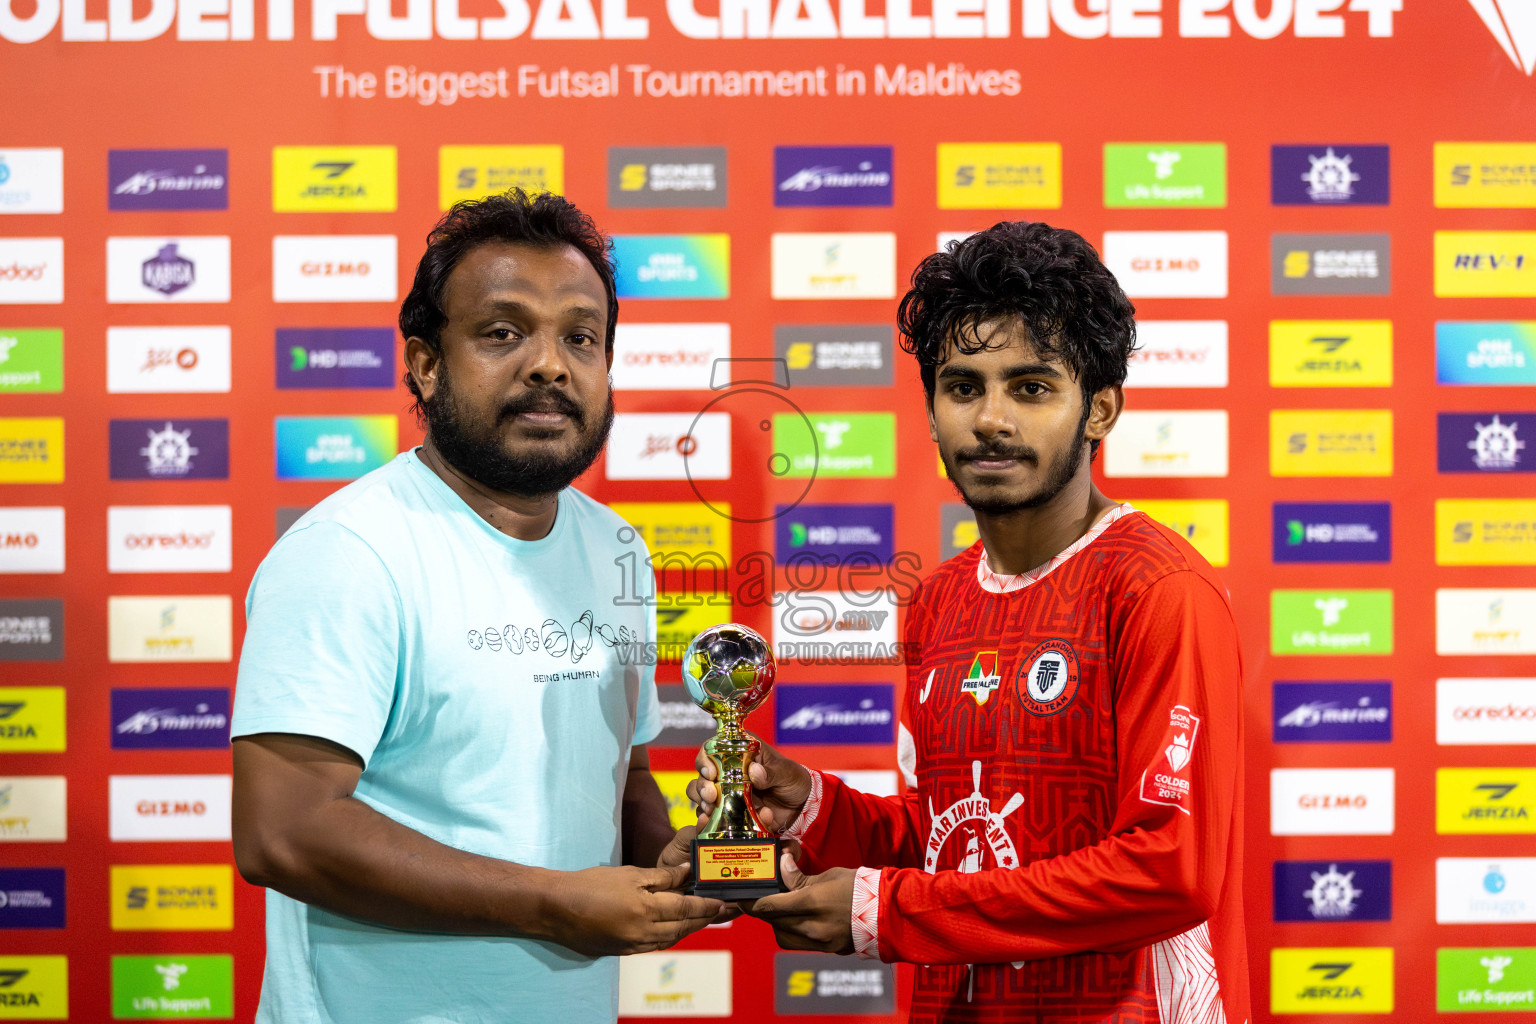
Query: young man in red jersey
(1068, 845)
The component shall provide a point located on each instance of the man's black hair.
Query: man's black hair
(1048, 279)
(539, 219)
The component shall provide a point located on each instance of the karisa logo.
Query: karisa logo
(1330, 178)
(168, 272)
(1513, 24)
(1163, 160)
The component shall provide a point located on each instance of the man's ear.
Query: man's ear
(1103, 412)
(933, 428)
(422, 361)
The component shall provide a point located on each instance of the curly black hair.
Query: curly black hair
(1049, 279)
(541, 219)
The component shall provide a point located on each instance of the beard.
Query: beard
(1059, 474)
(480, 451)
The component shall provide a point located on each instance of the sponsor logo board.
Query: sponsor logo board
(1485, 531)
(31, 719)
(172, 897)
(673, 266)
(334, 447)
(1331, 531)
(1330, 353)
(333, 179)
(32, 539)
(680, 176)
(31, 360)
(1166, 443)
(161, 360)
(1485, 712)
(172, 987)
(287, 516)
(957, 529)
(31, 271)
(669, 446)
(1485, 352)
(168, 449)
(875, 782)
(32, 809)
(693, 983)
(999, 176)
(832, 175)
(1485, 264)
(1483, 442)
(31, 180)
(682, 616)
(1332, 712)
(1165, 174)
(1485, 890)
(836, 355)
(34, 987)
(1310, 264)
(1336, 174)
(334, 268)
(1179, 354)
(473, 172)
(678, 530)
(158, 269)
(1331, 980)
(1485, 801)
(854, 444)
(815, 983)
(32, 630)
(851, 265)
(169, 808)
(32, 450)
(336, 357)
(670, 357)
(835, 534)
(1485, 621)
(683, 724)
(1168, 264)
(1485, 980)
(848, 625)
(171, 628)
(1330, 621)
(32, 898)
(1331, 801)
(168, 179)
(1333, 891)
(1200, 521)
(855, 713)
(162, 718)
(169, 538)
(1485, 175)
(1330, 442)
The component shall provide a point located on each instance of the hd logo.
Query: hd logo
(1331, 980)
(319, 179)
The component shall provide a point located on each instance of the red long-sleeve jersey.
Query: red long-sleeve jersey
(1067, 849)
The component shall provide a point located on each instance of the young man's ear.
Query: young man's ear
(423, 362)
(1103, 412)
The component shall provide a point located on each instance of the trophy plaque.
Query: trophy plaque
(729, 670)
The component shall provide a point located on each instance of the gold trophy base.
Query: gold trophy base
(736, 869)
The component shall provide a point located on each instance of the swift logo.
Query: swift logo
(1513, 24)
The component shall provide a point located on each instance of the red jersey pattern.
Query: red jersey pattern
(1067, 850)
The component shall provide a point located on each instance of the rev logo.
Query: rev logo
(1513, 24)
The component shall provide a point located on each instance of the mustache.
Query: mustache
(543, 400)
(1023, 453)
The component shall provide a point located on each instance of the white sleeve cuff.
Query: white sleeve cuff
(866, 913)
(808, 811)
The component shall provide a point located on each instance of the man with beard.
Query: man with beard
(441, 717)
(1068, 845)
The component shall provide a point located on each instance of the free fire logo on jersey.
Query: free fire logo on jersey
(983, 677)
(1047, 680)
(1167, 782)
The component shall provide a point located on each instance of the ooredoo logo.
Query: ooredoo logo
(671, 357)
(31, 270)
(168, 538)
(1485, 712)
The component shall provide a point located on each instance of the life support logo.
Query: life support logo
(973, 818)
(1047, 680)
(1167, 782)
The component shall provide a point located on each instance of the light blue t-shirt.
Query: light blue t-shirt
(487, 684)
